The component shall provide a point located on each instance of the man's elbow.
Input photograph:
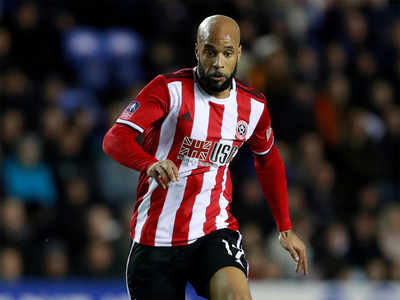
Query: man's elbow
(108, 142)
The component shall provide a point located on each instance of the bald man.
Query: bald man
(193, 123)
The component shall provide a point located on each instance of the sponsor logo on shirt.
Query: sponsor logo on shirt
(187, 117)
(241, 130)
(206, 153)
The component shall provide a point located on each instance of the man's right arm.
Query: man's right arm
(120, 144)
(143, 112)
(150, 106)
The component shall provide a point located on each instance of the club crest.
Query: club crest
(241, 130)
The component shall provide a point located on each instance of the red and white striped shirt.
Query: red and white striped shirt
(201, 134)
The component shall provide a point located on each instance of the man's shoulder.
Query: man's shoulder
(182, 74)
(165, 79)
(250, 92)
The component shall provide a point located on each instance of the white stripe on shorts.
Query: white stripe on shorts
(126, 272)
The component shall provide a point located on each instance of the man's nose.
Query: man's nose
(218, 61)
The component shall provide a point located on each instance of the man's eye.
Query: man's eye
(228, 54)
(209, 52)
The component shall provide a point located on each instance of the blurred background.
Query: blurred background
(329, 69)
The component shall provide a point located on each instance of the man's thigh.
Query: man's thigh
(156, 273)
(229, 283)
(217, 251)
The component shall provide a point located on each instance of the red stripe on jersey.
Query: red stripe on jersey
(186, 106)
(232, 222)
(150, 144)
(214, 209)
(151, 138)
(156, 204)
(214, 132)
(184, 212)
(244, 108)
(143, 185)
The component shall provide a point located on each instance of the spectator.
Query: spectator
(12, 126)
(71, 216)
(5, 48)
(27, 176)
(333, 251)
(98, 261)
(101, 226)
(11, 264)
(56, 263)
(15, 230)
(365, 244)
(260, 267)
(390, 232)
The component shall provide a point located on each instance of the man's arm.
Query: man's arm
(120, 144)
(150, 106)
(271, 175)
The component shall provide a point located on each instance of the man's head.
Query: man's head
(217, 51)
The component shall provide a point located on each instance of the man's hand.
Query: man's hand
(291, 243)
(163, 172)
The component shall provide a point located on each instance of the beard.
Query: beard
(212, 86)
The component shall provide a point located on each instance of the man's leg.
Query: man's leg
(220, 267)
(155, 273)
(229, 283)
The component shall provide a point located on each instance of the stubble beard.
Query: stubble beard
(211, 86)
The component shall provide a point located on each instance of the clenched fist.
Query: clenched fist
(163, 172)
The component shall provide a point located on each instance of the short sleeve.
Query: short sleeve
(262, 138)
(150, 105)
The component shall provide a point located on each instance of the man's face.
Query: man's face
(217, 63)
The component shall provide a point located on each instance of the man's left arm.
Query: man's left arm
(271, 175)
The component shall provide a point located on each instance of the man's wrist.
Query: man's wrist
(150, 164)
(284, 234)
(284, 225)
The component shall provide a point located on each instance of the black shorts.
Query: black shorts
(155, 273)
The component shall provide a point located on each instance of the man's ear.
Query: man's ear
(239, 52)
(196, 50)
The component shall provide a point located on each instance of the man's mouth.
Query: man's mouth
(218, 78)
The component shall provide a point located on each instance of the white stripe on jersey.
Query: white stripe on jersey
(166, 221)
(230, 117)
(256, 111)
(200, 132)
(144, 208)
(223, 204)
(176, 190)
(168, 127)
(201, 203)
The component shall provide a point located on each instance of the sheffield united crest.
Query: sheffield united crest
(241, 130)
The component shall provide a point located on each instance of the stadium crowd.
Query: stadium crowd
(331, 74)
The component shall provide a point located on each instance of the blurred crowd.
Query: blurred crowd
(329, 69)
